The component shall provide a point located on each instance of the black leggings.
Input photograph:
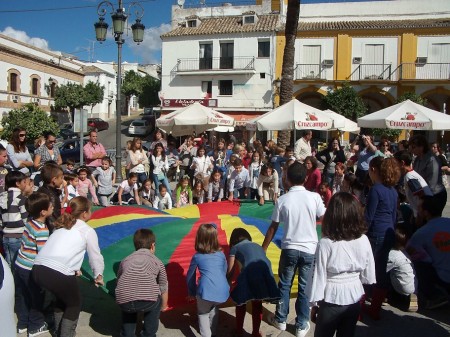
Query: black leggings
(65, 288)
(339, 319)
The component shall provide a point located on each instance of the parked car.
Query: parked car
(66, 134)
(70, 149)
(97, 124)
(140, 127)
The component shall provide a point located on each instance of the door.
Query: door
(438, 66)
(373, 62)
(226, 55)
(205, 56)
(310, 62)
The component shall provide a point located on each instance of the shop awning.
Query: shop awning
(242, 119)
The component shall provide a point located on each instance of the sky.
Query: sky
(68, 26)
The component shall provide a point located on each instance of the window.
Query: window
(249, 19)
(192, 23)
(13, 82)
(205, 56)
(226, 87)
(207, 89)
(34, 86)
(226, 55)
(263, 48)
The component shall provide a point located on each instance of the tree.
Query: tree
(346, 102)
(132, 85)
(412, 96)
(74, 96)
(71, 96)
(94, 93)
(30, 117)
(149, 95)
(287, 71)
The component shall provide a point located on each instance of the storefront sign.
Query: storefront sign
(183, 102)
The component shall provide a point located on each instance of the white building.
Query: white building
(383, 48)
(31, 75)
(225, 62)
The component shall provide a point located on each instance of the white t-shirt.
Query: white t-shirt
(299, 210)
(126, 188)
(412, 198)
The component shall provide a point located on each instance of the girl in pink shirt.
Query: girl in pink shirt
(85, 185)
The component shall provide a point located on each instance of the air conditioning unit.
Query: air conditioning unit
(15, 98)
(328, 63)
(357, 60)
(421, 60)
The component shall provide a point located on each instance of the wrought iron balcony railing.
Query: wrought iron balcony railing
(372, 72)
(215, 63)
(309, 71)
(423, 71)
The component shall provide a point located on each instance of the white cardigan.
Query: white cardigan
(341, 269)
(65, 248)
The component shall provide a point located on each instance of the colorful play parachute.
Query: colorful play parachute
(175, 236)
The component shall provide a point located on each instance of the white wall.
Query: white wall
(250, 91)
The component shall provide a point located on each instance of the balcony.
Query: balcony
(310, 72)
(372, 72)
(423, 71)
(229, 65)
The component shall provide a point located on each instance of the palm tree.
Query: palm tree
(287, 71)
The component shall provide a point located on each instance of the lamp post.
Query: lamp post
(119, 18)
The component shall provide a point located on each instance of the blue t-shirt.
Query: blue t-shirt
(431, 243)
(212, 285)
(364, 158)
(381, 209)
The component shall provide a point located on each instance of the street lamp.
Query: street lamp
(276, 91)
(119, 18)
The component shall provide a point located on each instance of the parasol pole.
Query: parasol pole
(443, 147)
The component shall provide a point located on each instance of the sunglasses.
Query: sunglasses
(22, 135)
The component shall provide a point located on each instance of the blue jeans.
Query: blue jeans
(151, 312)
(11, 247)
(163, 181)
(292, 260)
(381, 246)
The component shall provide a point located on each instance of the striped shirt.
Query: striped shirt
(141, 277)
(34, 238)
(14, 214)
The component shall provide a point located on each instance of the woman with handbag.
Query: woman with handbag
(329, 157)
(139, 162)
(202, 166)
(160, 168)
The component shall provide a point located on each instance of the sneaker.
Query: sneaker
(302, 332)
(280, 326)
(40, 331)
(21, 330)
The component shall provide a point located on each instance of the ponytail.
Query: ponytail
(77, 206)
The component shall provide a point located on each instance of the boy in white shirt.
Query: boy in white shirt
(298, 210)
(239, 181)
(415, 186)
